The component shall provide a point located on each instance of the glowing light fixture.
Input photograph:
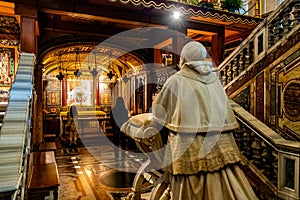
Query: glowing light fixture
(94, 71)
(125, 78)
(110, 74)
(176, 15)
(77, 71)
(60, 75)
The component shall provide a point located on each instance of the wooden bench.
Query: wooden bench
(43, 175)
(49, 137)
(42, 158)
(47, 146)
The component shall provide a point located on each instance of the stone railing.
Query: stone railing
(15, 133)
(272, 158)
(281, 25)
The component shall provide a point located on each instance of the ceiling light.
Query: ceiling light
(60, 75)
(176, 15)
(77, 71)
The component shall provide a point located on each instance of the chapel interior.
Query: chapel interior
(54, 54)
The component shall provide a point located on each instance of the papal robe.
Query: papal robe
(201, 159)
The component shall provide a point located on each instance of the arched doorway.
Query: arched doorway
(89, 76)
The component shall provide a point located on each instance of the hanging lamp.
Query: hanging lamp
(110, 74)
(60, 75)
(125, 77)
(77, 71)
(94, 72)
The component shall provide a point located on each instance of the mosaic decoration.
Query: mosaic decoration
(7, 65)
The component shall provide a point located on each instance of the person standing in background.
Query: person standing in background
(118, 116)
(71, 125)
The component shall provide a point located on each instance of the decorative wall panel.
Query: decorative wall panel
(7, 65)
(53, 97)
(285, 80)
(9, 30)
(291, 100)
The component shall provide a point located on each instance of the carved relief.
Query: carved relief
(9, 25)
(9, 30)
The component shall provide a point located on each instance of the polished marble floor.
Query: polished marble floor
(90, 171)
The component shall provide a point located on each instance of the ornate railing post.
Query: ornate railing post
(296, 12)
(287, 21)
(288, 172)
(276, 161)
(276, 29)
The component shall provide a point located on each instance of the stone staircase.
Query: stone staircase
(3, 105)
(256, 75)
(15, 132)
(270, 161)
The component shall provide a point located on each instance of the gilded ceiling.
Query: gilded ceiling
(86, 57)
(97, 18)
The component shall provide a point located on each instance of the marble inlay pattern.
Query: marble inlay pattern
(70, 188)
(81, 171)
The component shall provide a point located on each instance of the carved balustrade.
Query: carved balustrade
(271, 33)
(257, 151)
(274, 159)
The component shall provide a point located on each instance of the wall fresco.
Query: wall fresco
(7, 65)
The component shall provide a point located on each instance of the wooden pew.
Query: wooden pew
(43, 175)
(47, 146)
